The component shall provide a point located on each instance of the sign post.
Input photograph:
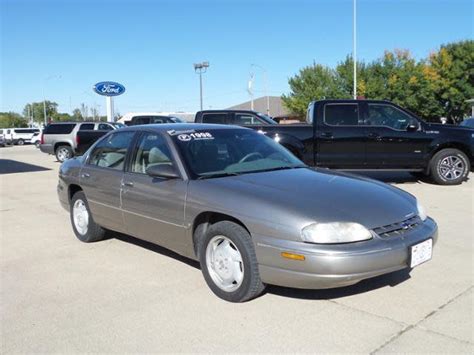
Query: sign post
(109, 89)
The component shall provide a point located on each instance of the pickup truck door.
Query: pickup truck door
(101, 178)
(395, 139)
(153, 208)
(340, 140)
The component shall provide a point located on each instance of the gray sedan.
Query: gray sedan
(245, 207)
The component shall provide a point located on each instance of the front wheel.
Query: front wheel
(20, 142)
(63, 153)
(449, 167)
(37, 144)
(228, 262)
(85, 229)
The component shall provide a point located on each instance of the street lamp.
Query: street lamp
(265, 84)
(200, 68)
(44, 97)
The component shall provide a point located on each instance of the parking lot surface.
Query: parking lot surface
(123, 295)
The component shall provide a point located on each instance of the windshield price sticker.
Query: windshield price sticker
(195, 136)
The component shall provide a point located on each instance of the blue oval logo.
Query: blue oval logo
(109, 88)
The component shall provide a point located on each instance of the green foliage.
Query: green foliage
(36, 110)
(12, 120)
(434, 87)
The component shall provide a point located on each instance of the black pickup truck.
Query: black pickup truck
(376, 135)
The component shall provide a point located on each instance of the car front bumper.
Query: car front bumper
(337, 265)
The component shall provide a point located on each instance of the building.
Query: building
(276, 108)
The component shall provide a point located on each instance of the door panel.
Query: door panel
(340, 140)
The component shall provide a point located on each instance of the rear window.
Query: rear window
(341, 114)
(65, 128)
(86, 127)
(214, 118)
(25, 130)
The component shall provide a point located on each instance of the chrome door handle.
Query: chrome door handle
(86, 175)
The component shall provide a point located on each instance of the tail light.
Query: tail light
(42, 138)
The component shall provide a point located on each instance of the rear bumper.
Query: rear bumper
(328, 266)
(47, 148)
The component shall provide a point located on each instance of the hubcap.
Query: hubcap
(451, 167)
(63, 154)
(224, 263)
(80, 217)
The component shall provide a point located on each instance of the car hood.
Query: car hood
(314, 195)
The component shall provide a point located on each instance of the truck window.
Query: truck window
(214, 118)
(138, 120)
(341, 114)
(247, 119)
(59, 128)
(388, 116)
(86, 127)
(105, 127)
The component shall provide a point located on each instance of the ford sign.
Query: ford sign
(109, 88)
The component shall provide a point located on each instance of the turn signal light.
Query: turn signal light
(292, 256)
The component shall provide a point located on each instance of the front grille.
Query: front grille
(398, 228)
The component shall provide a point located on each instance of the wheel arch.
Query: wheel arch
(447, 145)
(208, 218)
(72, 189)
(57, 144)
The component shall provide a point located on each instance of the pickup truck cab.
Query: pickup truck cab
(235, 117)
(67, 139)
(377, 135)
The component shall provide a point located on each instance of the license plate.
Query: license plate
(421, 252)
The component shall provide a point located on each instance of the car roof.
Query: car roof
(180, 127)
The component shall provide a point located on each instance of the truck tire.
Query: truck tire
(228, 262)
(63, 153)
(83, 225)
(449, 167)
(20, 142)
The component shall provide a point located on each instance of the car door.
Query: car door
(340, 139)
(395, 139)
(101, 179)
(153, 208)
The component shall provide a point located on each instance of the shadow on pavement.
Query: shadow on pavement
(156, 248)
(391, 280)
(8, 166)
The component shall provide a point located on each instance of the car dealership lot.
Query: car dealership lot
(124, 295)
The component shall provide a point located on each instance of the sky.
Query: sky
(59, 49)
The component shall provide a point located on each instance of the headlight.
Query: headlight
(421, 211)
(336, 232)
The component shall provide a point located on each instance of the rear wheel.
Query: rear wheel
(228, 262)
(85, 229)
(20, 142)
(63, 153)
(449, 167)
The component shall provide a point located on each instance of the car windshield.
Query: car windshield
(176, 120)
(225, 152)
(266, 118)
(119, 125)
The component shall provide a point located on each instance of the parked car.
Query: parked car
(150, 119)
(377, 135)
(3, 142)
(61, 139)
(235, 117)
(36, 139)
(19, 136)
(468, 122)
(245, 207)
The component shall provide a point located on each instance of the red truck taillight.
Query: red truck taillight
(42, 138)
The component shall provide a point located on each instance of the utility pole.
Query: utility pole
(265, 86)
(250, 89)
(200, 68)
(354, 46)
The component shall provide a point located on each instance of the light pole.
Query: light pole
(44, 97)
(354, 47)
(200, 68)
(265, 85)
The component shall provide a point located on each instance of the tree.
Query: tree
(77, 115)
(36, 110)
(12, 120)
(84, 111)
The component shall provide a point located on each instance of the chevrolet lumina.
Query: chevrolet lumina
(245, 207)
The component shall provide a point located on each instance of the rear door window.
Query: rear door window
(111, 151)
(65, 128)
(86, 127)
(214, 118)
(341, 114)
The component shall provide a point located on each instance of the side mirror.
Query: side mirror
(165, 171)
(412, 127)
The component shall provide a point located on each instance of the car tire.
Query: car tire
(37, 144)
(20, 142)
(83, 225)
(63, 153)
(449, 167)
(229, 263)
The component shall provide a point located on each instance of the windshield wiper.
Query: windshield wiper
(216, 175)
(278, 168)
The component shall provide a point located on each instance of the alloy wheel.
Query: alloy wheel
(451, 167)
